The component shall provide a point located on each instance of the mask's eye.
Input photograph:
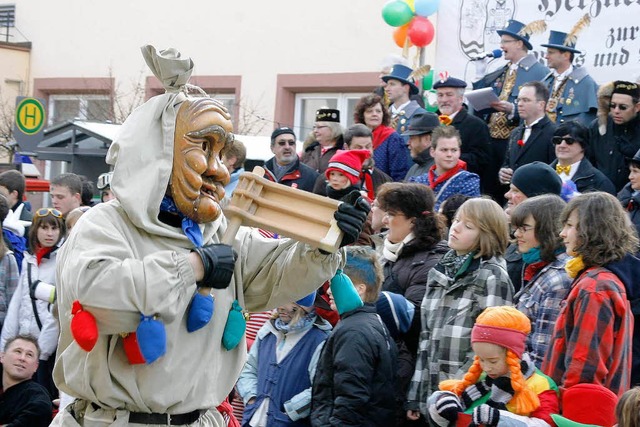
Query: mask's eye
(204, 146)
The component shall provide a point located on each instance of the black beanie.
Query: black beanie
(537, 178)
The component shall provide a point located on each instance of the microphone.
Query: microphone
(496, 53)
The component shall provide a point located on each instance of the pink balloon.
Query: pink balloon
(421, 31)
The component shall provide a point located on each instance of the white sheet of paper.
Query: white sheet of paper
(481, 99)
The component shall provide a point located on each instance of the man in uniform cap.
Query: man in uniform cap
(503, 117)
(474, 132)
(399, 87)
(419, 134)
(285, 166)
(621, 138)
(573, 92)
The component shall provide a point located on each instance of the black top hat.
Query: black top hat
(513, 30)
(558, 40)
(422, 123)
(402, 73)
(328, 115)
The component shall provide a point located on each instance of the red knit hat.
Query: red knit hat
(349, 163)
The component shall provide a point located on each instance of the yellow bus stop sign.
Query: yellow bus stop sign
(30, 116)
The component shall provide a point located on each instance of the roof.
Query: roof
(76, 138)
(94, 139)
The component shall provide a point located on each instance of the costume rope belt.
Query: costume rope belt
(164, 419)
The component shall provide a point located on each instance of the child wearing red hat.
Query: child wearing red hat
(502, 383)
(344, 173)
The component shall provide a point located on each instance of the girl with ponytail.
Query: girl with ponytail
(502, 385)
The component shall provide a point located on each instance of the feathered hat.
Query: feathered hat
(520, 31)
(567, 41)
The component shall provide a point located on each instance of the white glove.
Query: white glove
(481, 67)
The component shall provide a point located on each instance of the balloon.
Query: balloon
(411, 5)
(400, 36)
(426, 8)
(421, 31)
(396, 13)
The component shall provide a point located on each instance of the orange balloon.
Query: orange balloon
(400, 36)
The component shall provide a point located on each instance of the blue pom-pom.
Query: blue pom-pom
(152, 338)
(200, 312)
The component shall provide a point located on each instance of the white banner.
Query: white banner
(610, 45)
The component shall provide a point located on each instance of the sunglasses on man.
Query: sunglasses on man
(557, 140)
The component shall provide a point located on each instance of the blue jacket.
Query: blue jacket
(464, 182)
(392, 157)
(579, 98)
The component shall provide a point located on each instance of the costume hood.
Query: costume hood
(142, 153)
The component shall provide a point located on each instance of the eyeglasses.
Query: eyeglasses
(621, 107)
(319, 127)
(522, 229)
(42, 212)
(508, 41)
(557, 140)
(283, 143)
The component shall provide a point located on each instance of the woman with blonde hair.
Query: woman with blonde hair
(469, 278)
(502, 383)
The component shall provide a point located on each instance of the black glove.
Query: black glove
(485, 415)
(475, 392)
(218, 261)
(351, 216)
(501, 393)
(448, 406)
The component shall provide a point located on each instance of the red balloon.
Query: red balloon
(400, 35)
(421, 31)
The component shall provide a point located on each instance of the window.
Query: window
(81, 107)
(308, 103)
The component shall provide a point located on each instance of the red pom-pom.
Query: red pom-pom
(83, 327)
(132, 349)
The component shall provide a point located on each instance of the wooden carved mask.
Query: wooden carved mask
(203, 131)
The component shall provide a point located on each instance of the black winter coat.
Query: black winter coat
(609, 152)
(631, 204)
(355, 379)
(408, 277)
(587, 178)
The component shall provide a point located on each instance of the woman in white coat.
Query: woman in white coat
(30, 311)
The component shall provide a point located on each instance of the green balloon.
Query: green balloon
(397, 13)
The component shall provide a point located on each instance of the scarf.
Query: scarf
(380, 134)
(533, 263)
(189, 226)
(368, 183)
(434, 180)
(339, 194)
(304, 323)
(391, 251)
(574, 266)
(454, 265)
(42, 252)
